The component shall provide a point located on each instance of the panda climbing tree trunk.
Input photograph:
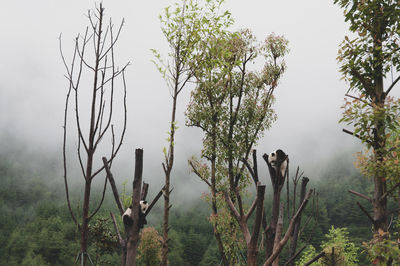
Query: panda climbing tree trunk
(138, 215)
(99, 62)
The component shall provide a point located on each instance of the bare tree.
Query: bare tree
(274, 241)
(93, 59)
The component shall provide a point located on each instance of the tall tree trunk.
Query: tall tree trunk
(252, 246)
(214, 196)
(85, 223)
(270, 232)
(379, 202)
(133, 231)
(278, 233)
(167, 169)
(164, 251)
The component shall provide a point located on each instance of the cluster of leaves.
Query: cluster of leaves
(337, 247)
(383, 249)
(364, 116)
(229, 230)
(103, 238)
(149, 247)
(364, 57)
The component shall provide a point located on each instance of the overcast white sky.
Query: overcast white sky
(32, 86)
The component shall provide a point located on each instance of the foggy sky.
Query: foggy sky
(308, 100)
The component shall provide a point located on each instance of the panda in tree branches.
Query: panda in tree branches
(127, 216)
(276, 157)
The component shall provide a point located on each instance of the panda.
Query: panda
(127, 216)
(278, 156)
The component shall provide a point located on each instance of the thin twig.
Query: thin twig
(155, 200)
(113, 186)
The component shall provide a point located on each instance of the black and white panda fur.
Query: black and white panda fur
(278, 156)
(127, 216)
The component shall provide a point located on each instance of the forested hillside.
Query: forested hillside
(36, 228)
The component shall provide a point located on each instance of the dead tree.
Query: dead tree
(273, 239)
(277, 181)
(93, 56)
(129, 245)
(276, 222)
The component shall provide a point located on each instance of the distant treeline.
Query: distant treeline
(36, 228)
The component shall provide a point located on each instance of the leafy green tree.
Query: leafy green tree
(103, 240)
(232, 105)
(366, 61)
(383, 249)
(180, 27)
(149, 247)
(344, 251)
(100, 106)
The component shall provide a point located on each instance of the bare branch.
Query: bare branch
(164, 168)
(366, 213)
(113, 40)
(80, 159)
(252, 208)
(65, 155)
(253, 175)
(291, 259)
(315, 258)
(156, 198)
(198, 174)
(360, 195)
(239, 201)
(114, 153)
(356, 135)
(113, 186)
(78, 79)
